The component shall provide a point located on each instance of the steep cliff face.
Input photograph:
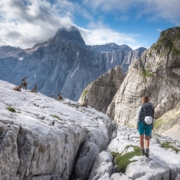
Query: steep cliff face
(156, 74)
(8, 51)
(131, 55)
(100, 92)
(63, 64)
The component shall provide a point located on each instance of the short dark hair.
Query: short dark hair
(145, 99)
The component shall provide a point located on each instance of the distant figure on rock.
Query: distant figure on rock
(24, 83)
(59, 97)
(34, 89)
(84, 104)
(18, 88)
(145, 124)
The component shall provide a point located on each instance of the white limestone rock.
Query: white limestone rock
(102, 166)
(104, 177)
(48, 139)
(161, 164)
(117, 176)
(147, 169)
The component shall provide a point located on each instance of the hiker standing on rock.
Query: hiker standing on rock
(145, 123)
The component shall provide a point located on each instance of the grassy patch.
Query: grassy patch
(150, 54)
(166, 42)
(86, 90)
(130, 125)
(147, 73)
(169, 43)
(57, 117)
(115, 154)
(158, 123)
(11, 109)
(167, 145)
(177, 51)
(122, 161)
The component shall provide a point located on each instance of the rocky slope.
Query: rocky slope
(169, 123)
(100, 92)
(43, 139)
(156, 74)
(128, 163)
(64, 63)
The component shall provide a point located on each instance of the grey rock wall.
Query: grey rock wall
(100, 92)
(155, 74)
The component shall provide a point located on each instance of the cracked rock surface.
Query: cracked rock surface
(163, 163)
(45, 139)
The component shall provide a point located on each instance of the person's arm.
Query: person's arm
(153, 112)
(153, 119)
(138, 116)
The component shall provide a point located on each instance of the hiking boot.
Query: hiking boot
(143, 152)
(147, 152)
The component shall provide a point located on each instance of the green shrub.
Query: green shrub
(167, 145)
(11, 109)
(122, 161)
(86, 90)
(158, 123)
(147, 74)
(57, 117)
(177, 51)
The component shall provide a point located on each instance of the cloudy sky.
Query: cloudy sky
(136, 23)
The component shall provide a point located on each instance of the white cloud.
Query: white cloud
(24, 25)
(168, 9)
(109, 5)
(104, 35)
(159, 30)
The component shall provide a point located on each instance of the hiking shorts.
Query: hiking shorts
(144, 129)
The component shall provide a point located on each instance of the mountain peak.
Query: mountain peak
(71, 33)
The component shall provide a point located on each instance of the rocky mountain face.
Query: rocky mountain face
(100, 93)
(64, 64)
(155, 74)
(8, 51)
(42, 138)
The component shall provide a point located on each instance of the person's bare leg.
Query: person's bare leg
(142, 141)
(147, 138)
(142, 144)
(147, 141)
